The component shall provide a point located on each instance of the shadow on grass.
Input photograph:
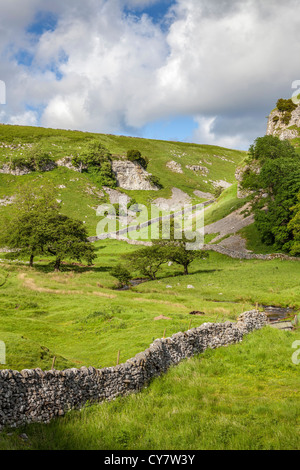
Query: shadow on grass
(70, 267)
(181, 274)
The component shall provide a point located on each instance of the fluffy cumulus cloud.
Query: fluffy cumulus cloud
(111, 66)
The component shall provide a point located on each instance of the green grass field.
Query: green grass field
(79, 317)
(243, 397)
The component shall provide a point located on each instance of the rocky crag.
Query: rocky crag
(284, 128)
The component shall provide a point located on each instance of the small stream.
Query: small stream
(278, 313)
(273, 313)
(133, 283)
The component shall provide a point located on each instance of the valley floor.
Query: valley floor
(78, 316)
(243, 397)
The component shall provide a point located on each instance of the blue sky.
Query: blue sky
(43, 21)
(177, 128)
(156, 10)
(204, 71)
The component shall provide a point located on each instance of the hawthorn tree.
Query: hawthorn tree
(25, 230)
(36, 227)
(148, 260)
(67, 238)
(177, 252)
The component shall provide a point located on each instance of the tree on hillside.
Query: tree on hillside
(177, 252)
(148, 260)
(66, 238)
(176, 248)
(122, 274)
(172, 246)
(294, 225)
(25, 230)
(36, 228)
(270, 147)
(275, 188)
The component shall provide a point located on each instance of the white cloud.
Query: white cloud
(223, 62)
(206, 133)
(28, 118)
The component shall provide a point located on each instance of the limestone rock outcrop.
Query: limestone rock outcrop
(278, 128)
(174, 167)
(132, 176)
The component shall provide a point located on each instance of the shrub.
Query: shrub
(148, 260)
(155, 181)
(271, 147)
(287, 117)
(135, 156)
(121, 274)
(217, 192)
(286, 105)
(34, 159)
(95, 159)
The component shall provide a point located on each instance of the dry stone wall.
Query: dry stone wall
(36, 396)
(244, 255)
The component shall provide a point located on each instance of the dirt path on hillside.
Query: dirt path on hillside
(29, 283)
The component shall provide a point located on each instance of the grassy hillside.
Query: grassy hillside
(81, 197)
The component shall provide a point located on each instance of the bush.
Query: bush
(286, 105)
(148, 260)
(135, 156)
(286, 118)
(217, 192)
(122, 275)
(95, 159)
(271, 147)
(34, 159)
(103, 175)
(279, 181)
(155, 181)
